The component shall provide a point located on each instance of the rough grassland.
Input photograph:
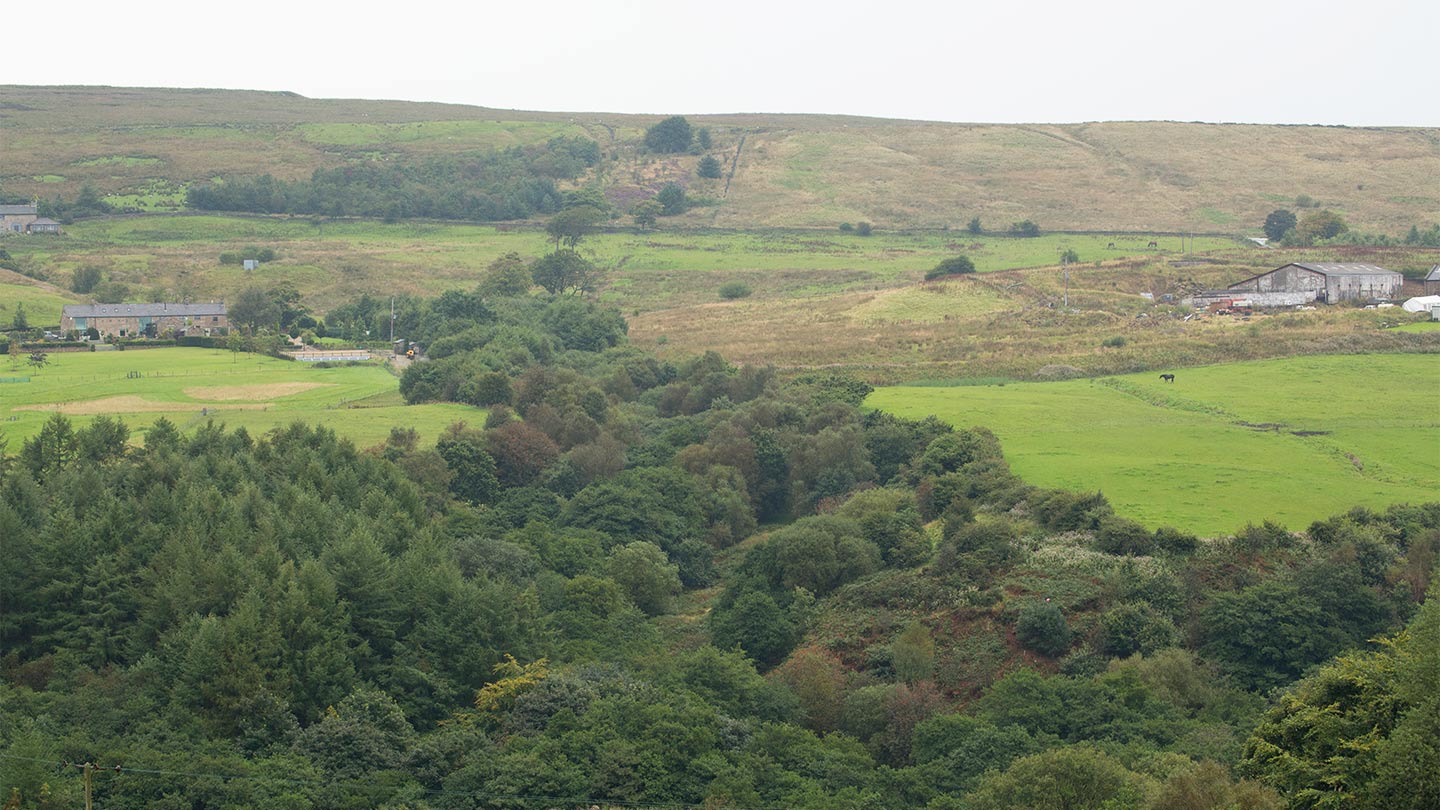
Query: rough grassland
(191, 386)
(335, 261)
(792, 170)
(1294, 440)
(1013, 324)
(820, 298)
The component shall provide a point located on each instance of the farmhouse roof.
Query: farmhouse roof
(141, 310)
(17, 210)
(44, 221)
(1345, 269)
(1434, 274)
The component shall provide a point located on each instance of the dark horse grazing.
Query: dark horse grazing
(1170, 378)
(1153, 244)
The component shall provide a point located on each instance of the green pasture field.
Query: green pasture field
(358, 402)
(42, 307)
(1291, 440)
(1421, 327)
(331, 262)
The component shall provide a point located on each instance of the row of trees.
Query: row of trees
(1323, 225)
(513, 183)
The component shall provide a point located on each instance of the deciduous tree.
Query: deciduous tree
(1316, 225)
(253, 310)
(569, 227)
(1041, 626)
(1278, 223)
(565, 271)
(645, 212)
(647, 576)
(670, 135)
(506, 277)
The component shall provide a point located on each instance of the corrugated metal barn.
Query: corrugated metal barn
(1328, 282)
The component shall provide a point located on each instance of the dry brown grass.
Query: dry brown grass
(1107, 176)
(250, 393)
(126, 404)
(811, 171)
(1019, 330)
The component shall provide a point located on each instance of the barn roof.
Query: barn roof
(141, 310)
(17, 210)
(1434, 274)
(1345, 269)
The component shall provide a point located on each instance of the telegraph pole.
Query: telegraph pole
(89, 769)
(1065, 265)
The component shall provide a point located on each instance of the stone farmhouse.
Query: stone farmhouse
(1309, 282)
(25, 219)
(1432, 281)
(146, 320)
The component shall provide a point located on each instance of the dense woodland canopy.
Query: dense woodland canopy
(639, 583)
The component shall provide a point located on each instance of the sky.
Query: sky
(1030, 61)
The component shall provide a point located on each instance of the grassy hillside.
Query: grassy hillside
(817, 299)
(1012, 323)
(40, 301)
(178, 256)
(143, 145)
(192, 386)
(1294, 440)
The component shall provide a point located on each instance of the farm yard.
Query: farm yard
(1295, 440)
(193, 386)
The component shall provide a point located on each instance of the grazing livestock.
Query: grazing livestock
(1111, 246)
(1153, 244)
(1170, 378)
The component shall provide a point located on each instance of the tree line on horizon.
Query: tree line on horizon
(514, 183)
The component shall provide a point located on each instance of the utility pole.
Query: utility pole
(1065, 265)
(89, 769)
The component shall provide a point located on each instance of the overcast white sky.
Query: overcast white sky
(1262, 61)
